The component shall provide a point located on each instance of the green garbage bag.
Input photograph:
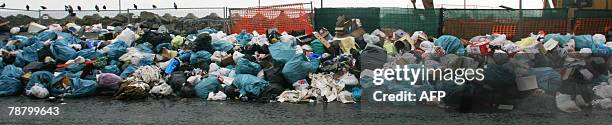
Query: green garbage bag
(249, 84)
(317, 46)
(207, 85)
(244, 66)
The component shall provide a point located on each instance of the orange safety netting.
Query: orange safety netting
(513, 28)
(592, 25)
(286, 18)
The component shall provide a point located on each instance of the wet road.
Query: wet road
(103, 110)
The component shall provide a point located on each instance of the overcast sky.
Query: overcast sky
(113, 4)
(147, 4)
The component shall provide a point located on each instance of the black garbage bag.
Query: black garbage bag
(154, 38)
(187, 91)
(271, 75)
(372, 57)
(202, 42)
(177, 79)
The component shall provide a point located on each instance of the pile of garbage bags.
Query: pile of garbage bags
(136, 62)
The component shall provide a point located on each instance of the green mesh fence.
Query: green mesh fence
(516, 24)
(326, 17)
(411, 20)
(593, 14)
(467, 23)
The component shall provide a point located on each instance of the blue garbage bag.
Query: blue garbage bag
(114, 69)
(128, 71)
(45, 78)
(145, 47)
(548, 79)
(185, 56)
(207, 29)
(222, 46)
(62, 52)
(200, 56)
(298, 68)
(159, 47)
(68, 38)
(78, 88)
(243, 38)
(601, 50)
(583, 41)
(281, 52)
(562, 39)
(117, 49)
(12, 71)
(20, 38)
(146, 60)
(44, 36)
(207, 85)
(450, 44)
(89, 53)
(75, 68)
(244, 66)
(174, 63)
(250, 84)
(499, 77)
(9, 85)
(27, 55)
(356, 93)
(1, 62)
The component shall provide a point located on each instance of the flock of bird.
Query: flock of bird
(71, 10)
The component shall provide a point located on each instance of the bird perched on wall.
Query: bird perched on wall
(65, 8)
(43, 7)
(154, 6)
(28, 7)
(3, 5)
(97, 8)
(175, 7)
(70, 9)
(104, 7)
(135, 7)
(79, 8)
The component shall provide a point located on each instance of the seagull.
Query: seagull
(43, 7)
(70, 9)
(175, 7)
(154, 6)
(3, 5)
(135, 7)
(104, 7)
(97, 8)
(28, 7)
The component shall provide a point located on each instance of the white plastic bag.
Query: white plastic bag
(349, 79)
(38, 91)
(219, 96)
(162, 89)
(565, 103)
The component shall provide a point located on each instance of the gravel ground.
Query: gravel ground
(103, 110)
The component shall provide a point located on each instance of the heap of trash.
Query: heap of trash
(135, 62)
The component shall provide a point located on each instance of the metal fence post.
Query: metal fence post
(441, 22)
(40, 17)
(129, 17)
